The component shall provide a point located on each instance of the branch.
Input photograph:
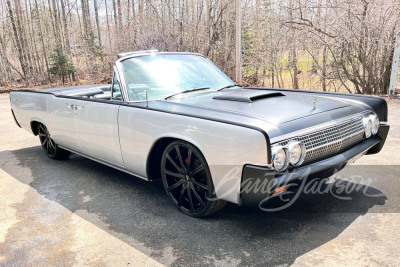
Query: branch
(311, 25)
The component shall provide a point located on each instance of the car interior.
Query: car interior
(94, 93)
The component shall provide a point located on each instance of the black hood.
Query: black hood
(271, 106)
(276, 112)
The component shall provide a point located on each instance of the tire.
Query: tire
(187, 180)
(49, 146)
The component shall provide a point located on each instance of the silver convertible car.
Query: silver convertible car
(176, 117)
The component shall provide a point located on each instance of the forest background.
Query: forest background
(325, 45)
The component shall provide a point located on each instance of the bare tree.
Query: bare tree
(341, 45)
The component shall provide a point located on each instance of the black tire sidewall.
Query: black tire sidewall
(59, 153)
(210, 184)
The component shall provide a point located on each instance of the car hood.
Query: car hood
(276, 112)
(272, 106)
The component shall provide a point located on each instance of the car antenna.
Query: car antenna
(147, 99)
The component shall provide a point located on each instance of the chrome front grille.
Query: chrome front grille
(331, 140)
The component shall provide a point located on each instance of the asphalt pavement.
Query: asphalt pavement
(78, 212)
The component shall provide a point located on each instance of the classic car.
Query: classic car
(176, 117)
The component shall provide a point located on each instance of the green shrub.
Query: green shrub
(60, 65)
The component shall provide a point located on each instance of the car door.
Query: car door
(62, 122)
(96, 124)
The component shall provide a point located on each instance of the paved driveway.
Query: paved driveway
(79, 212)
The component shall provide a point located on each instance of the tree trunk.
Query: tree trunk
(294, 50)
(87, 27)
(116, 28)
(323, 78)
(55, 27)
(208, 26)
(96, 12)
(39, 26)
(33, 37)
(108, 25)
(120, 27)
(66, 32)
(23, 36)
(17, 41)
(78, 16)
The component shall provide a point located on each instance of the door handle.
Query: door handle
(78, 107)
(69, 106)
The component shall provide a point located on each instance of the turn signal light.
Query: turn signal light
(281, 189)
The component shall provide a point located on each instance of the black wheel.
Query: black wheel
(49, 146)
(187, 180)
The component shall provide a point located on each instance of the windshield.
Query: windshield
(166, 74)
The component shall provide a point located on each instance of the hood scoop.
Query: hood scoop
(247, 97)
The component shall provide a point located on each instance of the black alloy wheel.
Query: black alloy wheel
(187, 180)
(49, 146)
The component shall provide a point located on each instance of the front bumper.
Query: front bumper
(259, 183)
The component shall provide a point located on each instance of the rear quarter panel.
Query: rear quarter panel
(28, 107)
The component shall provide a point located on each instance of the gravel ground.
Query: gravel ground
(79, 212)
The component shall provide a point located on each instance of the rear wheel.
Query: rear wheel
(187, 180)
(49, 146)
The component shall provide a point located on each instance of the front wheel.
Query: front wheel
(187, 180)
(49, 146)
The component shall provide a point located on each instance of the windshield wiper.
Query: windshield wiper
(229, 86)
(187, 91)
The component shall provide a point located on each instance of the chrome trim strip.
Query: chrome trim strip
(112, 165)
(121, 81)
(158, 53)
(126, 54)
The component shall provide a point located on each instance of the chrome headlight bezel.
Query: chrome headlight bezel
(277, 150)
(367, 123)
(375, 123)
(291, 146)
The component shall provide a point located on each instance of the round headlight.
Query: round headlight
(367, 122)
(375, 123)
(280, 158)
(297, 153)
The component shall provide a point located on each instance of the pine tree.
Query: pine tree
(60, 65)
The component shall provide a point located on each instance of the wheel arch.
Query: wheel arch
(34, 122)
(153, 164)
(34, 126)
